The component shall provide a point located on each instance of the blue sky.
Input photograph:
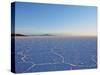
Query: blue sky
(35, 18)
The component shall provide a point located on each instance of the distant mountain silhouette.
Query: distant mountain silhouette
(32, 35)
(43, 35)
(18, 35)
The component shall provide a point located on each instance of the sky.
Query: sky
(37, 18)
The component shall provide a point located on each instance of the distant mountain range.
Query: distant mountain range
(18, 35)
(42, 35)
(32, 35)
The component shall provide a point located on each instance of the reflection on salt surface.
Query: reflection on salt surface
(35, 54)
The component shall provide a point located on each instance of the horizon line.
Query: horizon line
(54, 35)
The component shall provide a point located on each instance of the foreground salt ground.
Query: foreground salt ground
(55, 53)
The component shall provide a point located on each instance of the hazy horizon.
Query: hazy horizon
(54, 19)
